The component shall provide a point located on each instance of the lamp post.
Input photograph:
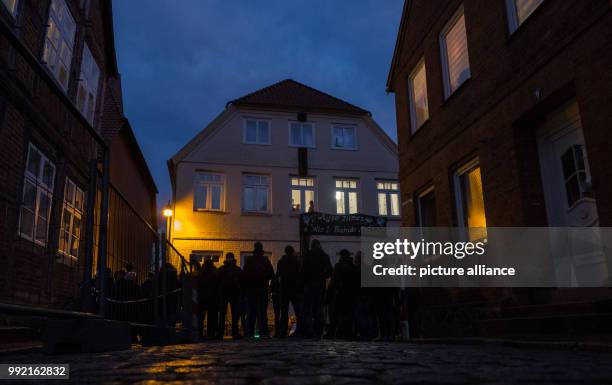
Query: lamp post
(167, 213)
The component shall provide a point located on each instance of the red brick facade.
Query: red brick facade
(35, 109)
(562, 52)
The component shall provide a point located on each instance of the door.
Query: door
(566, 180)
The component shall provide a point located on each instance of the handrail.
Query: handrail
(184, 262)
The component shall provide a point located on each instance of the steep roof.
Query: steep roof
(294, 95)
(399, 43)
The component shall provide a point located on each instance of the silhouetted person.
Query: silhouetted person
(258, 272)
(276, 304)
(230, 290)
(344, 293)
(290, 288)
(316, 268)
(363, 306)
(384, 300)
(311, 208)
(208, 298)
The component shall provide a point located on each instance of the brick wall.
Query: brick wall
(562, 51)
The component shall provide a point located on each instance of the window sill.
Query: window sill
(256, 144)
(419, 129)
(459, 90)
(218, 212)
(256, 214)
(344, 149)
(299, 146)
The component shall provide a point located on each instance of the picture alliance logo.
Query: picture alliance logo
(407, 248)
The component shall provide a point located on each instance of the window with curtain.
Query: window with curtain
(346, 196)
(470, 201)
(72, 218)
(455, 59)
(59, 41)
(256, 131)
(256, 193)
(301, 134)
(344, 137)
(519, 11)
(37, 197)
(417, 93)
(88, 85)
(209, 192)
(388, 198)
(302, 194)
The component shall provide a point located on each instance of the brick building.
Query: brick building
(504, 114)
(60, 108)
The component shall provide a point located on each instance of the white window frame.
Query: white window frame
(448, 90)
(303, 185)
(344, 127)
(345, 191)
(42, 188)
(290, 134)
(513, 17)
(54, 63)
(11, 6)
(268, 140)
(414, 126)
(258, 188)
(76, 210)
(388, 191)
(87, 92)
(419, 206)
(199, 183)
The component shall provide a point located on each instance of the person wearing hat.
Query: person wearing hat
(230, 291)
(343, 294)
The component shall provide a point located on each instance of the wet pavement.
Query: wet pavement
(331, 362)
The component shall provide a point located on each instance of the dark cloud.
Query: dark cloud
(181, 61)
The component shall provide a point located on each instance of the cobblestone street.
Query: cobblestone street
(327, 362)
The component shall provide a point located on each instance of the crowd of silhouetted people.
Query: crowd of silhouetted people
(328, 301)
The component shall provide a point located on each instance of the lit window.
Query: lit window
(88, 85)
(59, 42)
(301, 134)
(201, 255)
(575, 174)
(37, 196)
(11, 5)
(346, 196)
(256, 132)
(388, 198)
(256, 193)
(72, 215)
(519, 11)
(302, 194)
(209, 192)
(470, 201)
(344, 137)
(417, 93)
(426, 208)
(455, 60)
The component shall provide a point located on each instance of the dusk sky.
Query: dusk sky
(182, 61)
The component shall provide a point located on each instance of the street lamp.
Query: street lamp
(167, 213)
